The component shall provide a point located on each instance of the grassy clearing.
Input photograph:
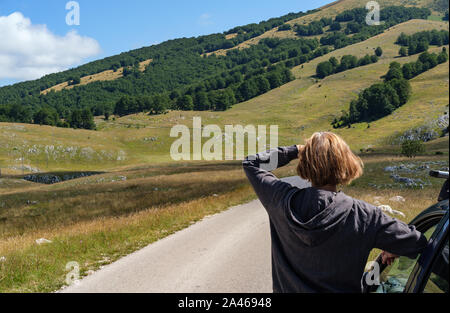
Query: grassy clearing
(102, 76)
(89, 229)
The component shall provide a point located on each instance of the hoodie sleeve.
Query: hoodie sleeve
(397, 237)
(269, 189)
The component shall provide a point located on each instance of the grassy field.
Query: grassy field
(141, 195)
(98, 219)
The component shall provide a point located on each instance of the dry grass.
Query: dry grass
(50, 206)
(92, 236)
(102, 76)
(32, 268)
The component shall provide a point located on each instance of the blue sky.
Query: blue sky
(119, 26)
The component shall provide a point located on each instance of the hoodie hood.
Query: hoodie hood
(314, 215)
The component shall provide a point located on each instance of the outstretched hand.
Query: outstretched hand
(388, 258)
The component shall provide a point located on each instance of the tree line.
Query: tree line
(381, 99)
(360, 31)
(347, 62)
(420, 42)
(178, 66)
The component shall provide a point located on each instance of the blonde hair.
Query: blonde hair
(326, 159)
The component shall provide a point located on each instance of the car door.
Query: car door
(405, 274)
(430, 273)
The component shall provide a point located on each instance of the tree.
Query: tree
(224, 100)
(76, 80)
(46, 116)
(87, 119)
(324, 69)
(408, 71)
(158, 104)
(422, 46)
(442, 57)
(412, 48)
(347, 62)
(336, 26)
(122, 106)
(248, 90)
(274, 79)
(285, 27)
(395, 72)
(185, 103)
(411, 148)
(403, 52)
(75, 119)
(402, 40)
(262, 84)
(374, 58)
(201, 101)
(334, 62)
(378, 52)
(403, 89)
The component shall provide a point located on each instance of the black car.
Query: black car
(429, 273)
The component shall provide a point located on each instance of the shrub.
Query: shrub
(411, 148)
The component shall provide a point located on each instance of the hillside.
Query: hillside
(99, 195)
(183, 75)
(299, 108)
(329, 11)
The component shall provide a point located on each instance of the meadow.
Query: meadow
(140, 195)
(98, 219)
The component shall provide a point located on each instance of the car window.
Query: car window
(438, 280)
(394, 278)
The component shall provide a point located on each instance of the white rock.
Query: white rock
(43, 241)
(388, 209)
(397, 199)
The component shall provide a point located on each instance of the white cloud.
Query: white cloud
(30, 51)
(205, 19)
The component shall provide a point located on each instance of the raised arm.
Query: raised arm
(267, 186)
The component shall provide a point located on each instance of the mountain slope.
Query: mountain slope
(180, 74)
(299, 108)
(331, 10)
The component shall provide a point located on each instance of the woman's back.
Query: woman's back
(321, 239)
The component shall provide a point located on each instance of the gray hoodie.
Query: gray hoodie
(320, 239)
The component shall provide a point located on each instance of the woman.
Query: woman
(321, 238)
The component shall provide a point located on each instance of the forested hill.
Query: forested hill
(184, 75)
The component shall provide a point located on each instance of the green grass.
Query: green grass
(435, 18)
(99, 240)
(96, 220)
